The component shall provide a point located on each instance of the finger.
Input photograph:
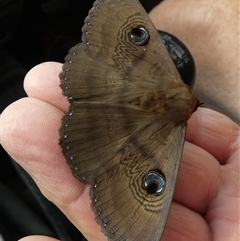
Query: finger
(42, 82)
(198, 178)
(213, 132)
(184, 224)
(38, 238)
(30, 135)
(212, 138)
(201, 176)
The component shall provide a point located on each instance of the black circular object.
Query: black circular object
(139, 36)
(154, 183)
(181, 57)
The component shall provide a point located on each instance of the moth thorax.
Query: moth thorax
(153, 101)
(181, 103)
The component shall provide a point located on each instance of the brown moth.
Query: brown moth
(125, 128)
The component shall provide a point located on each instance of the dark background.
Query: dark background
(32, 32)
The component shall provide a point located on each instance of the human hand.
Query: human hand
(210, 30)
(206, 199)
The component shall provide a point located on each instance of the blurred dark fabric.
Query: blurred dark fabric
(32, 32)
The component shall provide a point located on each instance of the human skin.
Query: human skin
(206, 199)
(210, 30)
